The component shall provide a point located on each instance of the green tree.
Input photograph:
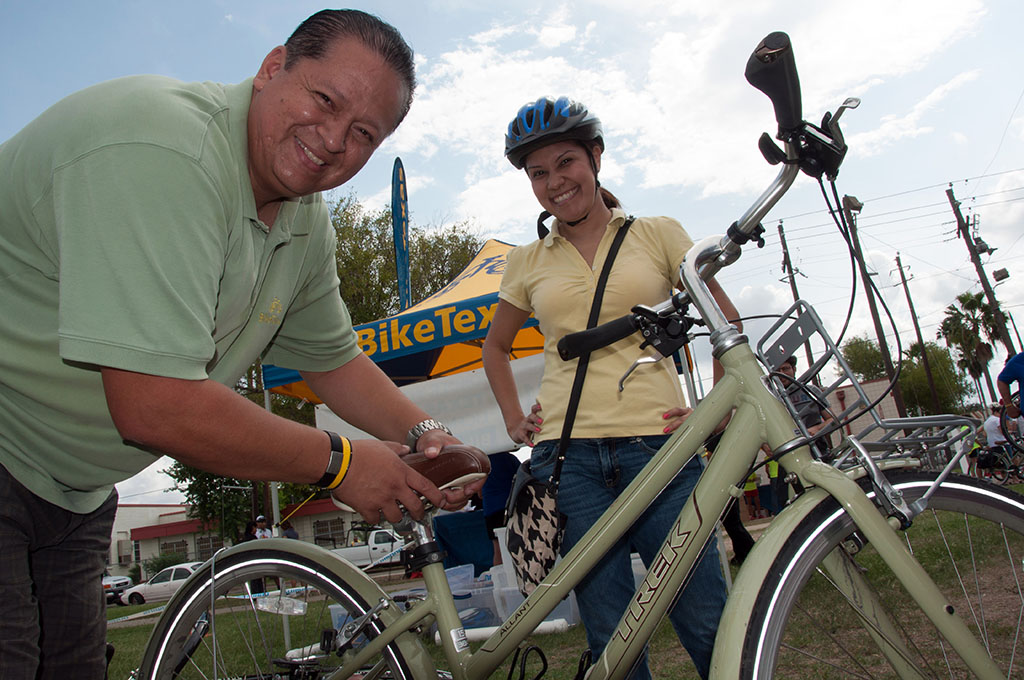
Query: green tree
(366, 259)
(951, 386)
(369, 285)
(966, 325)
(864, 358)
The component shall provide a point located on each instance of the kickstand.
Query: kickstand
(522, 662)
(585, 661)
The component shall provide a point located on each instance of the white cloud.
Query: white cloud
(504, 206)
(677, 111)
(149, 486)
(894, 129)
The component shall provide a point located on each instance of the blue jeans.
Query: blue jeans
(594, 473)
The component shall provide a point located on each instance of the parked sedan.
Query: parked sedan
(163, 585)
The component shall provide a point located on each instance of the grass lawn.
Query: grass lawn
(563, 650)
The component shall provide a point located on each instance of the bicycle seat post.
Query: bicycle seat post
(423, 548)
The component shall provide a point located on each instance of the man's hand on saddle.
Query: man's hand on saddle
(380, 484)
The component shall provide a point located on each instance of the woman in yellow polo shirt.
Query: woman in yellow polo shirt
(559, 143)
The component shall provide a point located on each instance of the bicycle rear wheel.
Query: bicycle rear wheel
(971, 542)
(261, 612)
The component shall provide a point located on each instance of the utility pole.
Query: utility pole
(990, 295)
(850, 206)
(920, 340)
(787, 266)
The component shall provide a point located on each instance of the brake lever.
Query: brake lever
(833, 122)
(646, 359)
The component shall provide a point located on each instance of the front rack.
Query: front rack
(938, 442)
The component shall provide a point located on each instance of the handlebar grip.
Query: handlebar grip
(772, 69)
(584, 342)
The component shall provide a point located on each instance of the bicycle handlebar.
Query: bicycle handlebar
(585, 342)
(772, 69)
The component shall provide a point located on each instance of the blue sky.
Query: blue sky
(940, 82)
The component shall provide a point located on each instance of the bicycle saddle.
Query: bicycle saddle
(456, 466)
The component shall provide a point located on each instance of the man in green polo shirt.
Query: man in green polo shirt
(157, 237)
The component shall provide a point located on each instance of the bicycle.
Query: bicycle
(1005, 464)
(847, 537)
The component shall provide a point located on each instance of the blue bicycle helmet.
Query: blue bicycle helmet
(546, 121)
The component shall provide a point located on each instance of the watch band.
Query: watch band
(422, 427)
(338, 463)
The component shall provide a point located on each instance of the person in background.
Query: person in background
(811, 413)
(559, 144)
(752, 497)
(261, 528)
(1013, 372)
(995, 441)
(495, 493)
(288, 531)
(249, 533)
(156, 238)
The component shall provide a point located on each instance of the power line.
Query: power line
(941, 185)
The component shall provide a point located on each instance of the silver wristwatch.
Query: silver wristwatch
(422, 427)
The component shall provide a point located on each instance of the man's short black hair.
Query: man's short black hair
(791, 361)
(316, 34)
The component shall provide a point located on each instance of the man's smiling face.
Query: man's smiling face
(313, 126)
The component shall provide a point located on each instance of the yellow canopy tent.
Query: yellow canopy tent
(440, 336)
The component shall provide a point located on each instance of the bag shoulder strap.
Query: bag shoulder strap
(584, 360)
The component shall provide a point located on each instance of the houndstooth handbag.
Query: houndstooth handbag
(533, 524)
(534, 530)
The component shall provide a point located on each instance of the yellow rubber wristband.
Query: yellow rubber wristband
(346, 458)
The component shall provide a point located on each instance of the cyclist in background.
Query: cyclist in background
(559, 144)
(1013, 371)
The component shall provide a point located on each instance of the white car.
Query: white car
(163, 585)
(114, 586)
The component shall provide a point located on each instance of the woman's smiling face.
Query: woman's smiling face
(563, 180)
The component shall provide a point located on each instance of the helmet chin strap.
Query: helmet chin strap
(597, 185)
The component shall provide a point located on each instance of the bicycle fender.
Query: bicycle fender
(732, 630)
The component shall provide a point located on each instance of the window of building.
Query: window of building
(329, 533)
(175, 548)
(207, 545)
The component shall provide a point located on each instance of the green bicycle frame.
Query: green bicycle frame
(758, 417)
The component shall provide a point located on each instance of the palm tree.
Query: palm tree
(963, 328)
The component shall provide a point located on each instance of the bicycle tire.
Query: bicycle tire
(1002, 467)
(800, 626)
(245, 635)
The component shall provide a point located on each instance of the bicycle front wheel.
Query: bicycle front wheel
(263, 612)
(807, 622)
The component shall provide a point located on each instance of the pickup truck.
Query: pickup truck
(382, 546)
(114, 586)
